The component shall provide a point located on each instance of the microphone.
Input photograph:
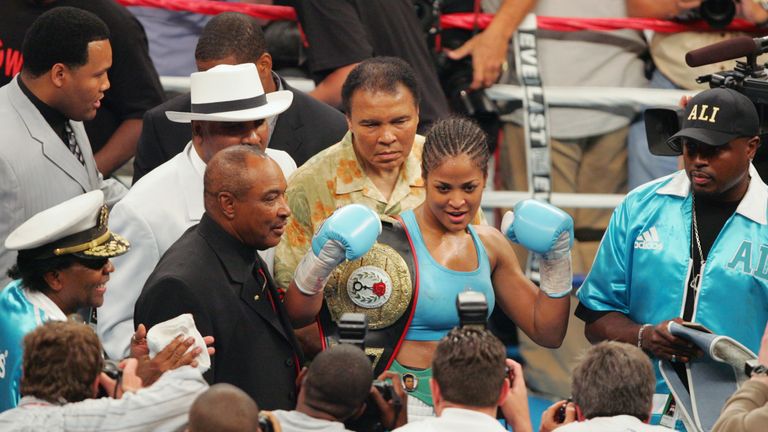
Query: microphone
(730, 49)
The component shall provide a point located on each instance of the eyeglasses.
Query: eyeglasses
(93, 264)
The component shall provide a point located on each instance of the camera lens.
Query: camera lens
(111, 369)
(718, 13)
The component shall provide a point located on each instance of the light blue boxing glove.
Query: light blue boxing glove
(546, 230)
(540, 227)
(348, 233)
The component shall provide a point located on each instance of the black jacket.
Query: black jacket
(304, 129)
(211, 275)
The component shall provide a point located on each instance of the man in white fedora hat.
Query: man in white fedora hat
(63, 264)
(229, 107)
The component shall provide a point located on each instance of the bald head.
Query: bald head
(245, 196)
(224, 408)
(227, 171)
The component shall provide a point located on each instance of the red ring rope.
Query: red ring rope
(207, 7)
(459, 20)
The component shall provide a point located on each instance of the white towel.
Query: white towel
(160, 335)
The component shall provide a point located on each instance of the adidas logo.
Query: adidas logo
(649, 240)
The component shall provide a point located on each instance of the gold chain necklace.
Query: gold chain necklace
(695, 281)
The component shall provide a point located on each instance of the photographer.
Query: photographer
(224, 408)
(470, 381)
(62, 376)
(690, 246)
(612, 390)
(334, 389)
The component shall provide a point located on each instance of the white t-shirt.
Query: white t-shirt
(455, 420)
(621, 423)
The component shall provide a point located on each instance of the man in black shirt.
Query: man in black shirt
(215, 273)
(342, 33)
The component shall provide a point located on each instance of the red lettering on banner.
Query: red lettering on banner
(11, 59)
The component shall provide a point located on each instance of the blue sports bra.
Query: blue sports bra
(438, 286)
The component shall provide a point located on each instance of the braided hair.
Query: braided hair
(453, 137)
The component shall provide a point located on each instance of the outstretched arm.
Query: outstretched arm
(489, 48)
(329, 89)
(659, 8)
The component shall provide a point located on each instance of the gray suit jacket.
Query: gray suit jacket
(37, 170)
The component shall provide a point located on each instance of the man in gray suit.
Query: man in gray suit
(45, 156)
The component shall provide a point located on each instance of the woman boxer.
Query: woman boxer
(454, 256)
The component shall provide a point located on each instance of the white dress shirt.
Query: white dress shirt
(163, 406)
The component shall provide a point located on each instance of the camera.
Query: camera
(266, 423)
(748, 78)
(754, 366)
(352, 328)
(456, 75)
(718, 13)
(112, 370)
(560, 413)
(473, 309)
(385, 388)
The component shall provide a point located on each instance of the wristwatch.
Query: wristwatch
(753, 367)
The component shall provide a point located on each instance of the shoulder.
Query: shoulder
(181, 102)
(284, 161)
(320, 166)
(117, 17)
(418, 147)
(166, 172)
(654, 190)
(427, 425)
(162, 183)
(493, 240)
(189, 257)
(12, 294)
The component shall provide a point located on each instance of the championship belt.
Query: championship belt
(381, 284)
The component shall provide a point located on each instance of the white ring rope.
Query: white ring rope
(590, 97)
(582, 97)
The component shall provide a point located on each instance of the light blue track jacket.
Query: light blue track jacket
(17, 318)
(644, 261)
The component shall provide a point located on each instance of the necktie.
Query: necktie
(72, 142)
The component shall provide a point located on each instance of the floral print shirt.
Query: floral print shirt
(334, 178)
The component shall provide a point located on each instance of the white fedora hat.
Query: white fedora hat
(231, 93)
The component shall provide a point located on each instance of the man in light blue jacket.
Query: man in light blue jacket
(692, 246)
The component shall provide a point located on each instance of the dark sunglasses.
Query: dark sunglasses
(93, 264)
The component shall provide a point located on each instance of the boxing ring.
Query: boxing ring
(573, 97)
